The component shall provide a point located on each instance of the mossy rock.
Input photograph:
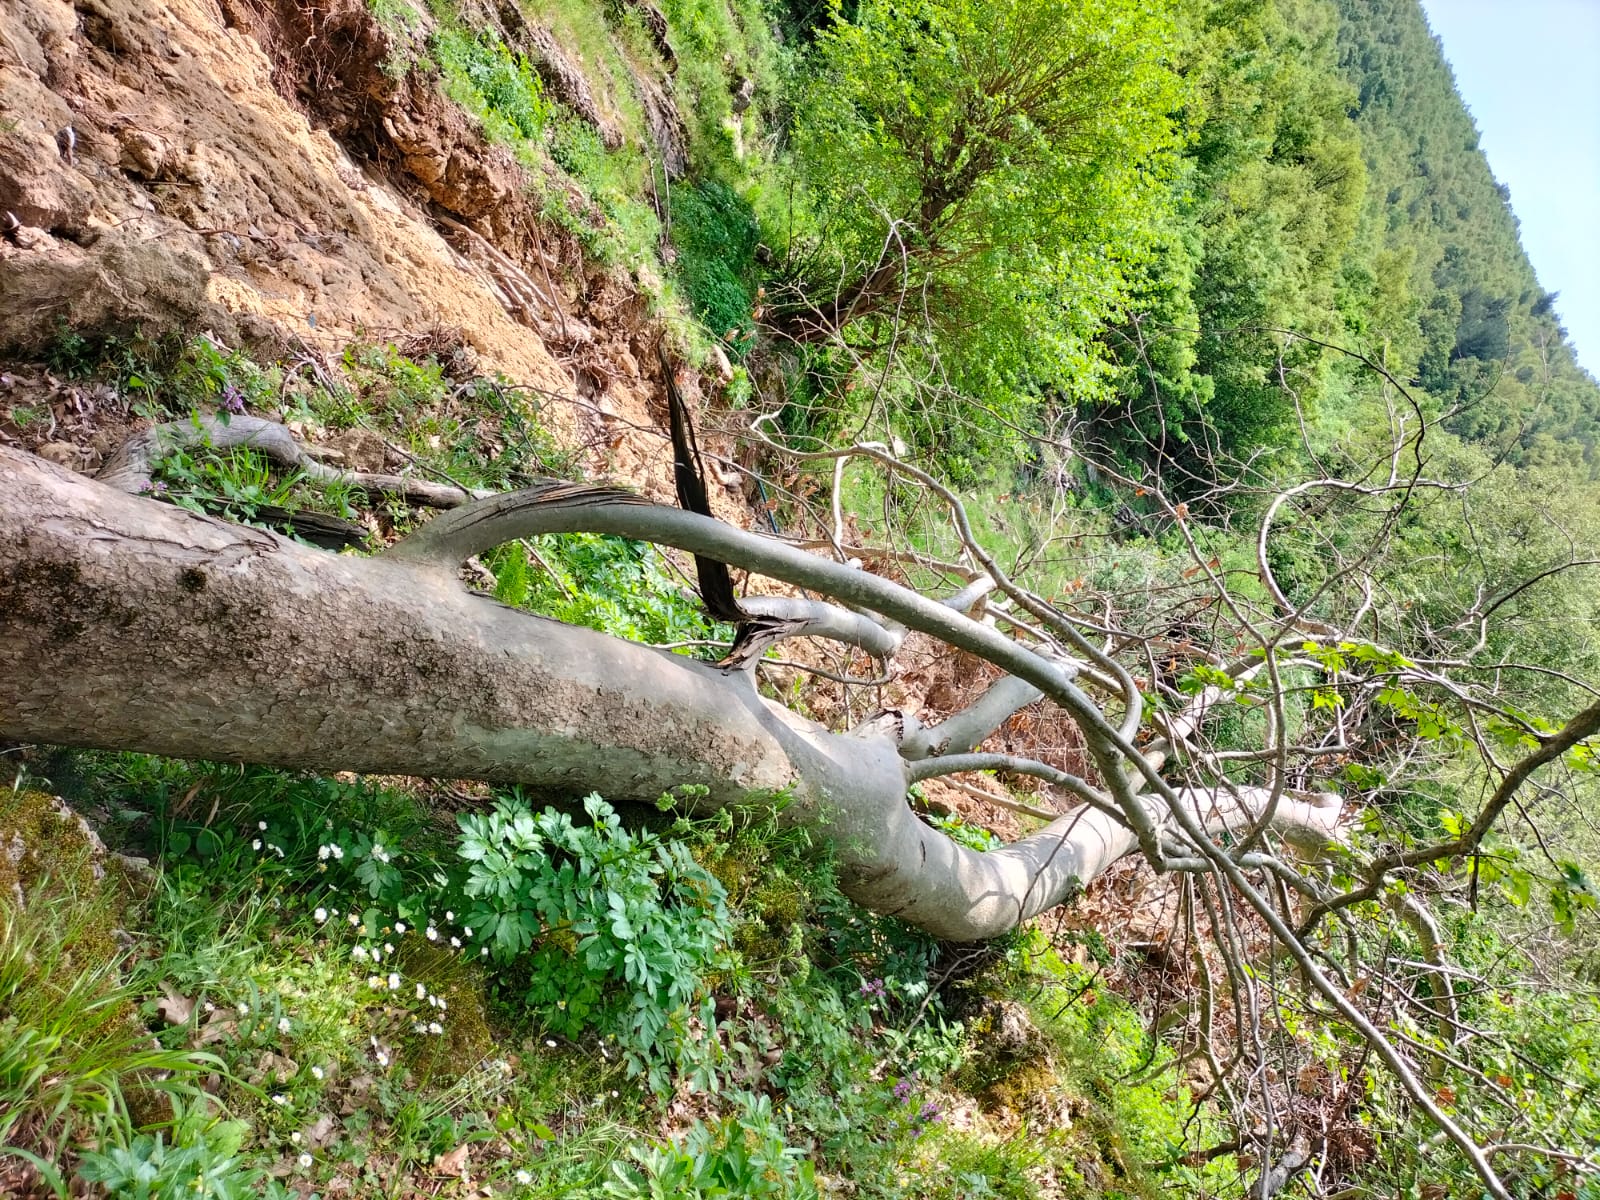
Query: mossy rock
(467, 1039)
(45, 843)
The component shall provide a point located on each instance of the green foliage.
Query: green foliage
(1001, 163)
(607, 583)
(611, 929)
(202, 1160)
(500, 88)
(716, 234)
(76, 1064)
(743, 1154)
(237, 484)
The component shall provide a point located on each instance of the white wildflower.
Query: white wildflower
(261, 825)
(321, 915)
(551, 1042)
(524, 1178)
(432, 934)
(448, 915)
(374, 982)
(456, 942)
(422, 992)
(359, 953)
(283, 1024)
(280, 1100)
(388, 947)
(317, 1072)
(467, 932)
(323, 851)
(399, 926)
(305, 1162)
(295, 1137)
(337, 851)
(244, 1010)
(255, 844)
(354, 920)
(435, 1027)
(394, 982)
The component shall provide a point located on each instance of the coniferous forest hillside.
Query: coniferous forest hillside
(780, 598)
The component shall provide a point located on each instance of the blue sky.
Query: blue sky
(1530, 72)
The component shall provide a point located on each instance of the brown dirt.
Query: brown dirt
(248, 168)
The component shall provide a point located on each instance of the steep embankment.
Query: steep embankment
(291, 176)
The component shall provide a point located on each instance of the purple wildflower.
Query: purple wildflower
(232, 400)
(929, 1113)
(152, 488)
(874, 987)
(902, 1090)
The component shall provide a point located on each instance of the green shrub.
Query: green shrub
(202, 1161)
(610, 929)
(716, 234)
(741, 1155)
(498, 87)
(602, 582)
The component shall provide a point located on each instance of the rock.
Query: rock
(63, 454)
(361, 450)
(37, 187)
(28, 238)
(744, 94)
(143, 153)
(568, 84)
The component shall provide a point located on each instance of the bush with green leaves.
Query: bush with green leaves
(716, 234)
(201, 1160)
(609, 929)
(1004, 163)
(743, 1154)
(500, 88)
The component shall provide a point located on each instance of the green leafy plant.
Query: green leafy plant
(603, 582)
(202, 1160)
(743, 1155)
(610, 929)
(501, 88)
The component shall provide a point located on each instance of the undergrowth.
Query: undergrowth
(345, 985)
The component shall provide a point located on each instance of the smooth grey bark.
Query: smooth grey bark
(130, 624)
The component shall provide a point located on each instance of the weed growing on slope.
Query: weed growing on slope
(495, 85)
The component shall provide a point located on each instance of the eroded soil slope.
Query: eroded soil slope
(254, 171)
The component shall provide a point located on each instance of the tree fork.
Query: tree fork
(130, 624)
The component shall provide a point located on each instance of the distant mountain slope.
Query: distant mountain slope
(1455, 296)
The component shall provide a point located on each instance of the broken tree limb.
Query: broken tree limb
(128, 470)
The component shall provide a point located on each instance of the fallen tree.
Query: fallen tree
(126, 623)
(132, 624)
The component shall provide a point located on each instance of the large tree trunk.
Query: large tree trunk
(126, 623)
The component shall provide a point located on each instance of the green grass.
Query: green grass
(827, 1007)
(77, 1065)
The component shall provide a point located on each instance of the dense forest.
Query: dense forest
(1192, 469)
